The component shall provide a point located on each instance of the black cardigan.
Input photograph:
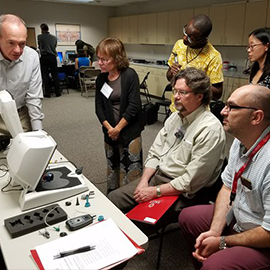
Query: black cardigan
(130, 107)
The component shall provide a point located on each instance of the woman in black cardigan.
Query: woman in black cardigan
(119, 110)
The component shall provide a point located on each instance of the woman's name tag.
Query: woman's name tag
(106, 90)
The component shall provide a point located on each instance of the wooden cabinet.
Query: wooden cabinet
(218, 18)
(185, 16)
(115, 27)
(230, 84)
(232, 24)
(228, 24)
(268, 15)
(147, 28)
(203, 10)
(130, 29)
(161, 80)
(156, 81)
(256, 13)
(168, 27)
(141, 71)
(235, 14)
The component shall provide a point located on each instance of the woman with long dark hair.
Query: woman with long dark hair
(259, 54)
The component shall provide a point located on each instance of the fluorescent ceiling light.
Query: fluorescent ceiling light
(76, 1)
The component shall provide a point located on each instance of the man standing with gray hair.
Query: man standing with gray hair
(188, 152)
(20, 73)
(47, 45)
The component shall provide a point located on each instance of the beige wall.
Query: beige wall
(93, 20)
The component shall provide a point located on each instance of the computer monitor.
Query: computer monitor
(28, 159)
(9, 113)
(60, 56)
(70, 56)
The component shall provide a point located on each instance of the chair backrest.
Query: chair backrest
(143, 84)
(168, 88)
(83, 68)
(91, 73)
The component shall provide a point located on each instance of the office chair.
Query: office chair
(63, 80)
(89, 80)
(165, 102)
(206, 195)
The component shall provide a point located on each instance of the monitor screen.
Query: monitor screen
(60, 56)
(70, 56)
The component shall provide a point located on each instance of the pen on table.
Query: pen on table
(73, 251)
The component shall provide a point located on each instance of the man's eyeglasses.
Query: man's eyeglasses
(228, 107)
(252, 46)
(189, 38)
(180, 92)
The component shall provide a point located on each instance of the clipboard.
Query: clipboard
(110, 263)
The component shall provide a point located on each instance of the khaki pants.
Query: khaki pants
(24, 118)
(123, 197)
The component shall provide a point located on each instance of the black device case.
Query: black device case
(150, 110)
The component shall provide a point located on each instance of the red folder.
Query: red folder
(151, 211)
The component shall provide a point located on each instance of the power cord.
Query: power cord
(11, 189)
(4, 169)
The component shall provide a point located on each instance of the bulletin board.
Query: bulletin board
(67, 34)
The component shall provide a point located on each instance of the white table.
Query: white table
(16, 252)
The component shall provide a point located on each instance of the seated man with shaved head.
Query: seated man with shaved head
(235, 232)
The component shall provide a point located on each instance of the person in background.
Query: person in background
(89, 49)
(20, 73)
(81, 60)
(47, 44)
(235, 232)
(188, 152)
(259, 54)
(119, 110)
(194, 50)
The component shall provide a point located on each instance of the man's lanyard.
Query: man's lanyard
(240, 172)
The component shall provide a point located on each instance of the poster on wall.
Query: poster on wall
(67, 34)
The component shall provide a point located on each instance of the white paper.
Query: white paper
(151, 220)
(106, 90)
(111, 246)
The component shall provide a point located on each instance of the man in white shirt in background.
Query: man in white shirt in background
(20, 73)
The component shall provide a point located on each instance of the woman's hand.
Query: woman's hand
(114, 133)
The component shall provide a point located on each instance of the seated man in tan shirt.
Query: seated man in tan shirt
(188, 152)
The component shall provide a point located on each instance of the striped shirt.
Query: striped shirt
(251, 207)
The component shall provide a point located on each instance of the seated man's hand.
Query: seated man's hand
(141, 185)
(145, 194)
(206, 244)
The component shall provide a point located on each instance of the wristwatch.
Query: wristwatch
(158, 192)
(222, 244)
